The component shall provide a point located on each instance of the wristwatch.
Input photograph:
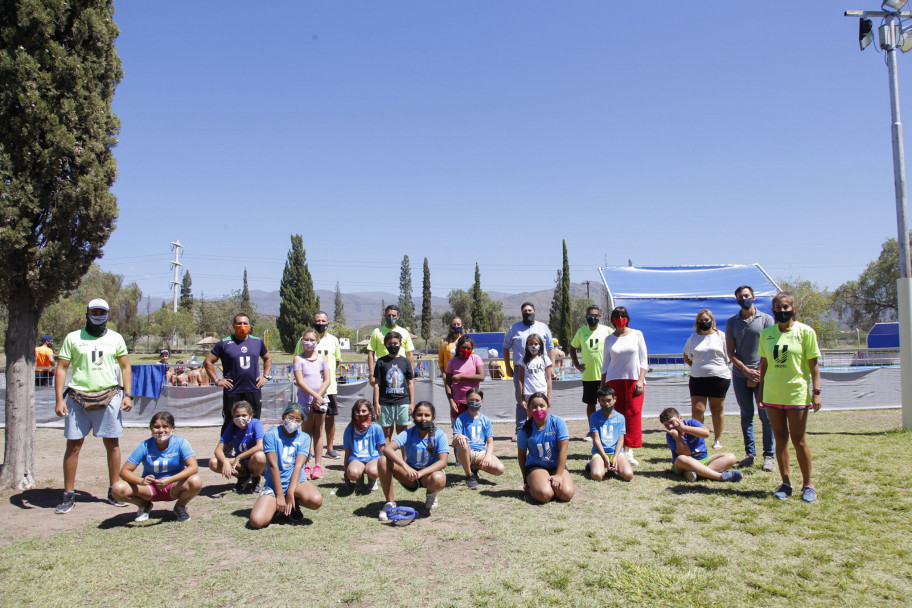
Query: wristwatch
(128, 395)
(816, 391)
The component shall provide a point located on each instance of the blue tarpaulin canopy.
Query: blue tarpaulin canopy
(884, 335)
(663, 301)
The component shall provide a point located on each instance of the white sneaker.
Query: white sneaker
(633, 461)
(769, 463)
(375, 486)
(142, 514)
(690, 476)
(431, 501)
(384, 514)
(717, 445)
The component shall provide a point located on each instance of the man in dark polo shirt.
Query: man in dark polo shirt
(239, 354)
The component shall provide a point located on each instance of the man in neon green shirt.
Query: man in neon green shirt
(590, 341)
(96, 353)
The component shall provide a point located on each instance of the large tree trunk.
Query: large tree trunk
(21, 335)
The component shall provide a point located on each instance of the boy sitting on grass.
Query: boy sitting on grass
(688, 450)
(607, 428)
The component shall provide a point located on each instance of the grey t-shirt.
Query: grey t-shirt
(746, 334)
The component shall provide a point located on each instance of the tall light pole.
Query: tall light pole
(892, 38)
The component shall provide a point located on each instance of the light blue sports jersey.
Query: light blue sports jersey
(476, 429)
(417, 454)
(541, 447)
(286, 450)
(243, 439)
(364, 446)
(162, 463)
(609, 429)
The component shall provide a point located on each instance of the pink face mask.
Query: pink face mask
(620, 322)
(539, 414)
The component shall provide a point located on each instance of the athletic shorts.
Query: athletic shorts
(422, 483)
(162, 495)
(709, 386)
(590, 388)
(705, 460)
(332, 408)
(599, 457)
(461, 408)
(106, 423)
(779, 406)
(394, 415)
(529, 470)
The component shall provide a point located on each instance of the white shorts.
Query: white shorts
(106, 423)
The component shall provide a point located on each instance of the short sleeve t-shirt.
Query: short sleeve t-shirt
(591, 344)
(287, 449)
(93, 360)
(364, 446)
(696, 444)
(476, 430)
(746, 336)
(709, 355)
(329, 347)
(43, 355)
(162, 463)
(376, 340)
(609, 429)
(240, 362)
(535, 377)
(392, 375)
(243, 439)
(625, 356)
(541, 445)
(515, 338)
(312, 372)
(417, 453)
(464, 366)
(788, 376)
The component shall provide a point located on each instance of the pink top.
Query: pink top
(463, 366)
(312, 370)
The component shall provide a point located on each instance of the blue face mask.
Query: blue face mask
(746, 303)
(456, 329)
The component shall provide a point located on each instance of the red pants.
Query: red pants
(631, 408)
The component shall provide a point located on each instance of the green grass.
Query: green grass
(657, 541)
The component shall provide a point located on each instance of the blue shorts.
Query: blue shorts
(106, 423)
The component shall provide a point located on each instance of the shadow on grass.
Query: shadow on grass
(372, 510)
(277, 520)
(508, 493)
(47, 498)
(716, 488)
(157, 517)
(217, 490)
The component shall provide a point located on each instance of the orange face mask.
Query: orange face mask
(241, 331)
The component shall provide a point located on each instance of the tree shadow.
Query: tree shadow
(716, 488)
(47, 498)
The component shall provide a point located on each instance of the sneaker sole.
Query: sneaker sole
(63, 511)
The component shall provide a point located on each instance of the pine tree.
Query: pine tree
(479, 318)
(245, 306)
(406, 305)
(426, 315)
(299, 302)
(557, 304)
(565, 329)
(58, 71)
(186, 296)
(339, 312)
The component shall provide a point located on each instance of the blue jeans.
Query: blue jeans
(745, 395)
(521, 414)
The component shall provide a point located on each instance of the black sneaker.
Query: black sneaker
(253, 483)
(69, 501)
(296, 514)
(472, 481)
(241, 482)
(114, 501)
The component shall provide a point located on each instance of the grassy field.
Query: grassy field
(657, 541)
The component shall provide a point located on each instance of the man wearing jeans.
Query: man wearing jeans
(742, 339)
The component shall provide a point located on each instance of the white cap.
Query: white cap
(492, 352)
(98, 303)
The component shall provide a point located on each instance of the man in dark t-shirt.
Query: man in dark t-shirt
(240, 354)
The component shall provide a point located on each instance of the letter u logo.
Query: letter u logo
(244, 362)
(780, 355)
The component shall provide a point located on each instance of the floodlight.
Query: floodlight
(905, 41)
(865, 33)
(893, 5)
(889, 36)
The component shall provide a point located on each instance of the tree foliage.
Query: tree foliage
(299, 302)
(426, 312)
(474, 307)
(186, 295)
(406, 304)
(557, 304)
(872, 296)
(245, 306)
(814, 308)
(339, 310)
(564, 330)
(58, 71)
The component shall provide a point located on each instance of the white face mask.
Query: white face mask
(309, 344)
(291, 426)
(98, 319)
(162, 436)
(241, 422)
(534, 348)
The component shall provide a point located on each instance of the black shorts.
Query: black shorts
(422, 483)
(531, 468)
(590, 388)
(710, 386)
(332, 408)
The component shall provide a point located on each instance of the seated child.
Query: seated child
(362, 442)
(473, 439)
(607, 428)
(244, 439)
(688, 450)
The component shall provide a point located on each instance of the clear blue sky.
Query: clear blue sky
(464, 131)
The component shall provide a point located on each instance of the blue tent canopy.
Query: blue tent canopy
(663, 301)
(884, 335)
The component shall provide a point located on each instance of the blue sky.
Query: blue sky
(470, 131)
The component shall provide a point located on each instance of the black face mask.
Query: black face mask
(393, 350)
(95, 330)
(320, 327)
(592, 320)
(783, 316)
(704, 325)
(528, 318)
(424, 425)
(746, 303)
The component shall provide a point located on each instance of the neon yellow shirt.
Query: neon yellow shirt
(788, 377)
(93, 360)
(376, 341)
(591, 344)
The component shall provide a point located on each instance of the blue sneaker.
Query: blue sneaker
(808, 494)
(732, 476)
(783, 492)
